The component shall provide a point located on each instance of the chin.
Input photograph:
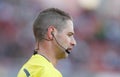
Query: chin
(66, 55)
(63, 55)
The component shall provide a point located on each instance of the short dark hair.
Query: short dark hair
(51, 16)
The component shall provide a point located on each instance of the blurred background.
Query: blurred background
(97, 31)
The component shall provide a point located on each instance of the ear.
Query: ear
(50, 32)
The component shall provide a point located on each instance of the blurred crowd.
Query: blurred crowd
(97, 31)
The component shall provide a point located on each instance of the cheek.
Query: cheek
(64, 40)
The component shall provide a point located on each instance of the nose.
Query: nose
(73, 42)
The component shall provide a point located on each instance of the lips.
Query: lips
(69, 49)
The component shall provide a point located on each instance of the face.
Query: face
(66, 39)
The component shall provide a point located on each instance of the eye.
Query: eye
(70, 34)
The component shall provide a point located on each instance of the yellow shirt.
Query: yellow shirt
(38, 66)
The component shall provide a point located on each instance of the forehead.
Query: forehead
(69, 26)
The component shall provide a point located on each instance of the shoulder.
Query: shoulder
(37, 66)
(47, 72)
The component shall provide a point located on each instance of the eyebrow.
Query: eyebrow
(71, 33)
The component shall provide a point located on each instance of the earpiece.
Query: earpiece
(52, 33)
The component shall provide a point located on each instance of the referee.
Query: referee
(53, 31)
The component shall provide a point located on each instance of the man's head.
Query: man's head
(46, 18)
(55, 26)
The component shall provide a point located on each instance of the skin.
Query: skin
(50, 49)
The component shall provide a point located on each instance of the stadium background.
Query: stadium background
(97, 28)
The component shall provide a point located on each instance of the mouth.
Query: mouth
(68, 50)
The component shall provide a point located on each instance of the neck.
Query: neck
(48, 53)
(48, 57)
